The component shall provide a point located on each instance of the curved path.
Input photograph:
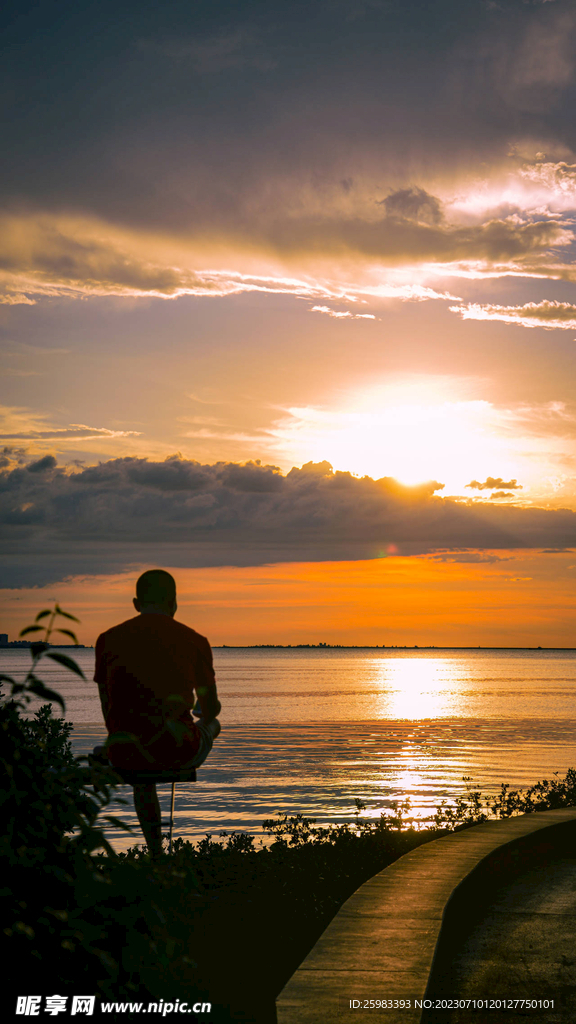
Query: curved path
(522, 946)
(399, 936)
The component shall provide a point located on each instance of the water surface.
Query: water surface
(310, 731)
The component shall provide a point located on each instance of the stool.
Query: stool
(173, 775)
(132, 778)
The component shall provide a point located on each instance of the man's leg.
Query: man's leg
(214, 728)
(148, 811)
(208, 734)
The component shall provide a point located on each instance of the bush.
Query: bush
(475, 808)
(50, 804)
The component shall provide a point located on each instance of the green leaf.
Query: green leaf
(60, 611)
(63, 659)
(40, 690)
(42, 615)
(68, 632)
(31, 629)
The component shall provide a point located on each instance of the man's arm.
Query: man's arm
(206, 684)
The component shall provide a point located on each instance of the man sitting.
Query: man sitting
(148, 670)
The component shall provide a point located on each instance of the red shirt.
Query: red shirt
(147, 670)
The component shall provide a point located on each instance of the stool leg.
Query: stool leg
(148, 811)
(171, 819)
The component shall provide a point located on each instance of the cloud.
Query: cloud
(342, 316)
(179, 139)
(44, 255)
(16, 299)
(549, 314)
(43, 465)
(413, 204)
(503, 494)
(48, 256)
(493, 481)
(338, 181)
(544, 62)
(20, 424)
(79, 431)
(398, 241)
(488, 557)
(132, 511)
(559, 179)
(326, 254)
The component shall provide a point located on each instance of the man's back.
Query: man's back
(147, 670)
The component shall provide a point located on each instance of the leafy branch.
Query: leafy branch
(39, 769)
(32, 686)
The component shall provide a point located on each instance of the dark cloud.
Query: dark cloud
(178, 115)
(492, 482)
(143, 143)
(413, 204)
(42, 465)
(397, 239)
(11, 457)
(132, 511)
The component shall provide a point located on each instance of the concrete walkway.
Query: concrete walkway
(398, 935)
(522, 946)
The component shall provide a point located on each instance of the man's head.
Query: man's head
(156, 592)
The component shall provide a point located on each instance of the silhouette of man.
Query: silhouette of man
(148, 670)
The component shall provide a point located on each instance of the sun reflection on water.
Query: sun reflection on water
(419, 688)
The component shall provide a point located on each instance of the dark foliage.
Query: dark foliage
(474, 808)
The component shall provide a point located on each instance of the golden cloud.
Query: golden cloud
(18, 424)
(549, 314)
(322, 258)
(559, 179)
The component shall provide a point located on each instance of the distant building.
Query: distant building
(3, 639)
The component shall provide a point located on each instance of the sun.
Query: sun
(413, 431)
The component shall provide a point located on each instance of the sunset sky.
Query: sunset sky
(288, 306)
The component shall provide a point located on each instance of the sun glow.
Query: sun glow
(421, 688)
(413, 432)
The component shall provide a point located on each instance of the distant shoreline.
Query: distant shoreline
(24, 645)
(371, 647)
(15, 645)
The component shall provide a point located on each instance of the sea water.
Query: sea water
(312, 730)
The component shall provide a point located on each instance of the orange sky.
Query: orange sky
(525, 600)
